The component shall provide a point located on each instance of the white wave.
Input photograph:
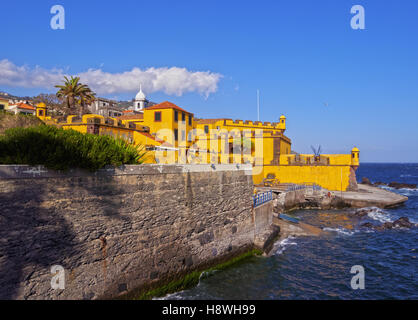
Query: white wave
(408, 176)
(341, 231)
(407, 192)
(402, 191)
(282, 245)
(379, 215)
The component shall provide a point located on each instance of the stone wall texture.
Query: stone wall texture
(119, 229)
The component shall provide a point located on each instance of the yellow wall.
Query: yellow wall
(334, 178)
(5, 103)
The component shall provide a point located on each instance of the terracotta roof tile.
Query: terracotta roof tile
(166, 105)
(25, 106)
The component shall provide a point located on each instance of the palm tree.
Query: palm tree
(75, 94)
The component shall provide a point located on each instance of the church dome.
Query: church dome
(140, 95)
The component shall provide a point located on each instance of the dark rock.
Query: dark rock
(403, 222)
(398, 185)
(379, 183)
(385, 226)
(206, 238)
(122, 287)
(188, 261)
(361, 212)
(368, 225)
(365, 180)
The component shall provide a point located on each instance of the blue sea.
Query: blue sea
(319, 267)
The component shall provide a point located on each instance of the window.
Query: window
(183, 117)
(190, 120)
(41, 113)
(183, 135)
(176, 116)
(206, 129)
(1, 106)
(176, 134)
(157, 116)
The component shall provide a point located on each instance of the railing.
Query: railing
(313, 186)
(261, 198)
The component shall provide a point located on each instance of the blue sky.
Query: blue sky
(302, 55)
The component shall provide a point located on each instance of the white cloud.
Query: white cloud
(172, 81)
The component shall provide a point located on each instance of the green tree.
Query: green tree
(76, 95)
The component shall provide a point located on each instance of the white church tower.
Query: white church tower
(140, 100)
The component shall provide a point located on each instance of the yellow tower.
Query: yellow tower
(282, 123)
(355, 157)
(41, 111)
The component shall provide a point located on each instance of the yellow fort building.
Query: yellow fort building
(173, 135)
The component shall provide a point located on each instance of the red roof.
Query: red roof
(25, 106)
(166, 105)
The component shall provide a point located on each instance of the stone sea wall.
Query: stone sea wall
(120, 229)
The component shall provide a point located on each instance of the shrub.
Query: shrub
(9, 120)
(61, 149)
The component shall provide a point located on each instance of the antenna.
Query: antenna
(258, 105)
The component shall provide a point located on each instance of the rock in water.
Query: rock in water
(362, 212)
(403, 222)
(398, 185)
(385, 226)
(368, 225)
(365, 180)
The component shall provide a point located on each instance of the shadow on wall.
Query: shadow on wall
(35, 235)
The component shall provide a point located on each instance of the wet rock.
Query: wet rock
(403, 222)
(398, 185)
(379, 183)
(385, 226)
(368, 225)
(362, 212)
(365, 180)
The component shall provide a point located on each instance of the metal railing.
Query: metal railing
(261, 198)
(313, 186)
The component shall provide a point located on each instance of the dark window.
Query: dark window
(176, 116)
(1, 106)
(176, 134)
(157, 116)
(41, 113)
(206, 129)
(183, 135)
(190, 120)
(183, 117)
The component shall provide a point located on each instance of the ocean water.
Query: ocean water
(319, 267)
